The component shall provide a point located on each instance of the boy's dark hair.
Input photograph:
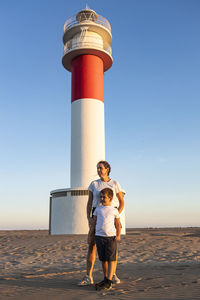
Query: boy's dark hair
(106, 165)
(107, 192)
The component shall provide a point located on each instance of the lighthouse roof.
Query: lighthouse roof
(86, 14)
(89, 16)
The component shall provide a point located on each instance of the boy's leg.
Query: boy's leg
(108, 269)
(111, 269)
(112, 257)
(108, 262)
(105, 268)
(100, 242)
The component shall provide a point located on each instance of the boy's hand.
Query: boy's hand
(117, 238)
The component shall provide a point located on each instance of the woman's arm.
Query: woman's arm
(120, 197)
(89, 206)
(91, 233)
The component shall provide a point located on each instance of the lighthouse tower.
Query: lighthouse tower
(87, 55)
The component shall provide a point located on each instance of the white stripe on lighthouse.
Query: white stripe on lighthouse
(87, 140)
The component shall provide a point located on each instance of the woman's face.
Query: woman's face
(102, 171)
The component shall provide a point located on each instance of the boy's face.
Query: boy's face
(105, 200)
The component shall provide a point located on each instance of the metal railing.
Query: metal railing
(100, 20)
(84, 44)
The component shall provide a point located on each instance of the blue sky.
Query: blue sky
(152, 106)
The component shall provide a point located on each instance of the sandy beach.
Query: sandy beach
(153, 264)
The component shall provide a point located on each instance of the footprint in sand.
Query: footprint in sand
(195, 281)
(184, 284)
(166, 287)
(157, 287)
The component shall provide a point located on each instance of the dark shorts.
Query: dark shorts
(106, 248)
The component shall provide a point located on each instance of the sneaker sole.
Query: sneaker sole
(107, 288)
(116, 282)
(101, 287)
(85, 283)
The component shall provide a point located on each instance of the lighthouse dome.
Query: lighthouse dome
(86, 14)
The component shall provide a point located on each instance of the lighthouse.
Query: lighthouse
(87, 55)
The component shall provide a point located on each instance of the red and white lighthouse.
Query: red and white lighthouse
(87, 55)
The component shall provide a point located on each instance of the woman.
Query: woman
(95, 187)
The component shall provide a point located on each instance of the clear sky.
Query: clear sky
(152, 108)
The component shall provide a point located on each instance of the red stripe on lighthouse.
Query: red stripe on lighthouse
(87, 77)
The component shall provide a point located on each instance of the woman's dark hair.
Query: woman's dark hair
(106, 165)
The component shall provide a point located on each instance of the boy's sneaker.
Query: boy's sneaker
(86, 281)
(105, 284)
(115, 279)
(99, 284)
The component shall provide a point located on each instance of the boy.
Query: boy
(107, 234)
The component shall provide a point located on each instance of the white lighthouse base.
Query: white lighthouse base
(68, 211)
(67, 214)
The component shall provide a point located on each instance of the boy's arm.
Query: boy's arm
(118, 229)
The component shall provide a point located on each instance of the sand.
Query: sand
(153, 264)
